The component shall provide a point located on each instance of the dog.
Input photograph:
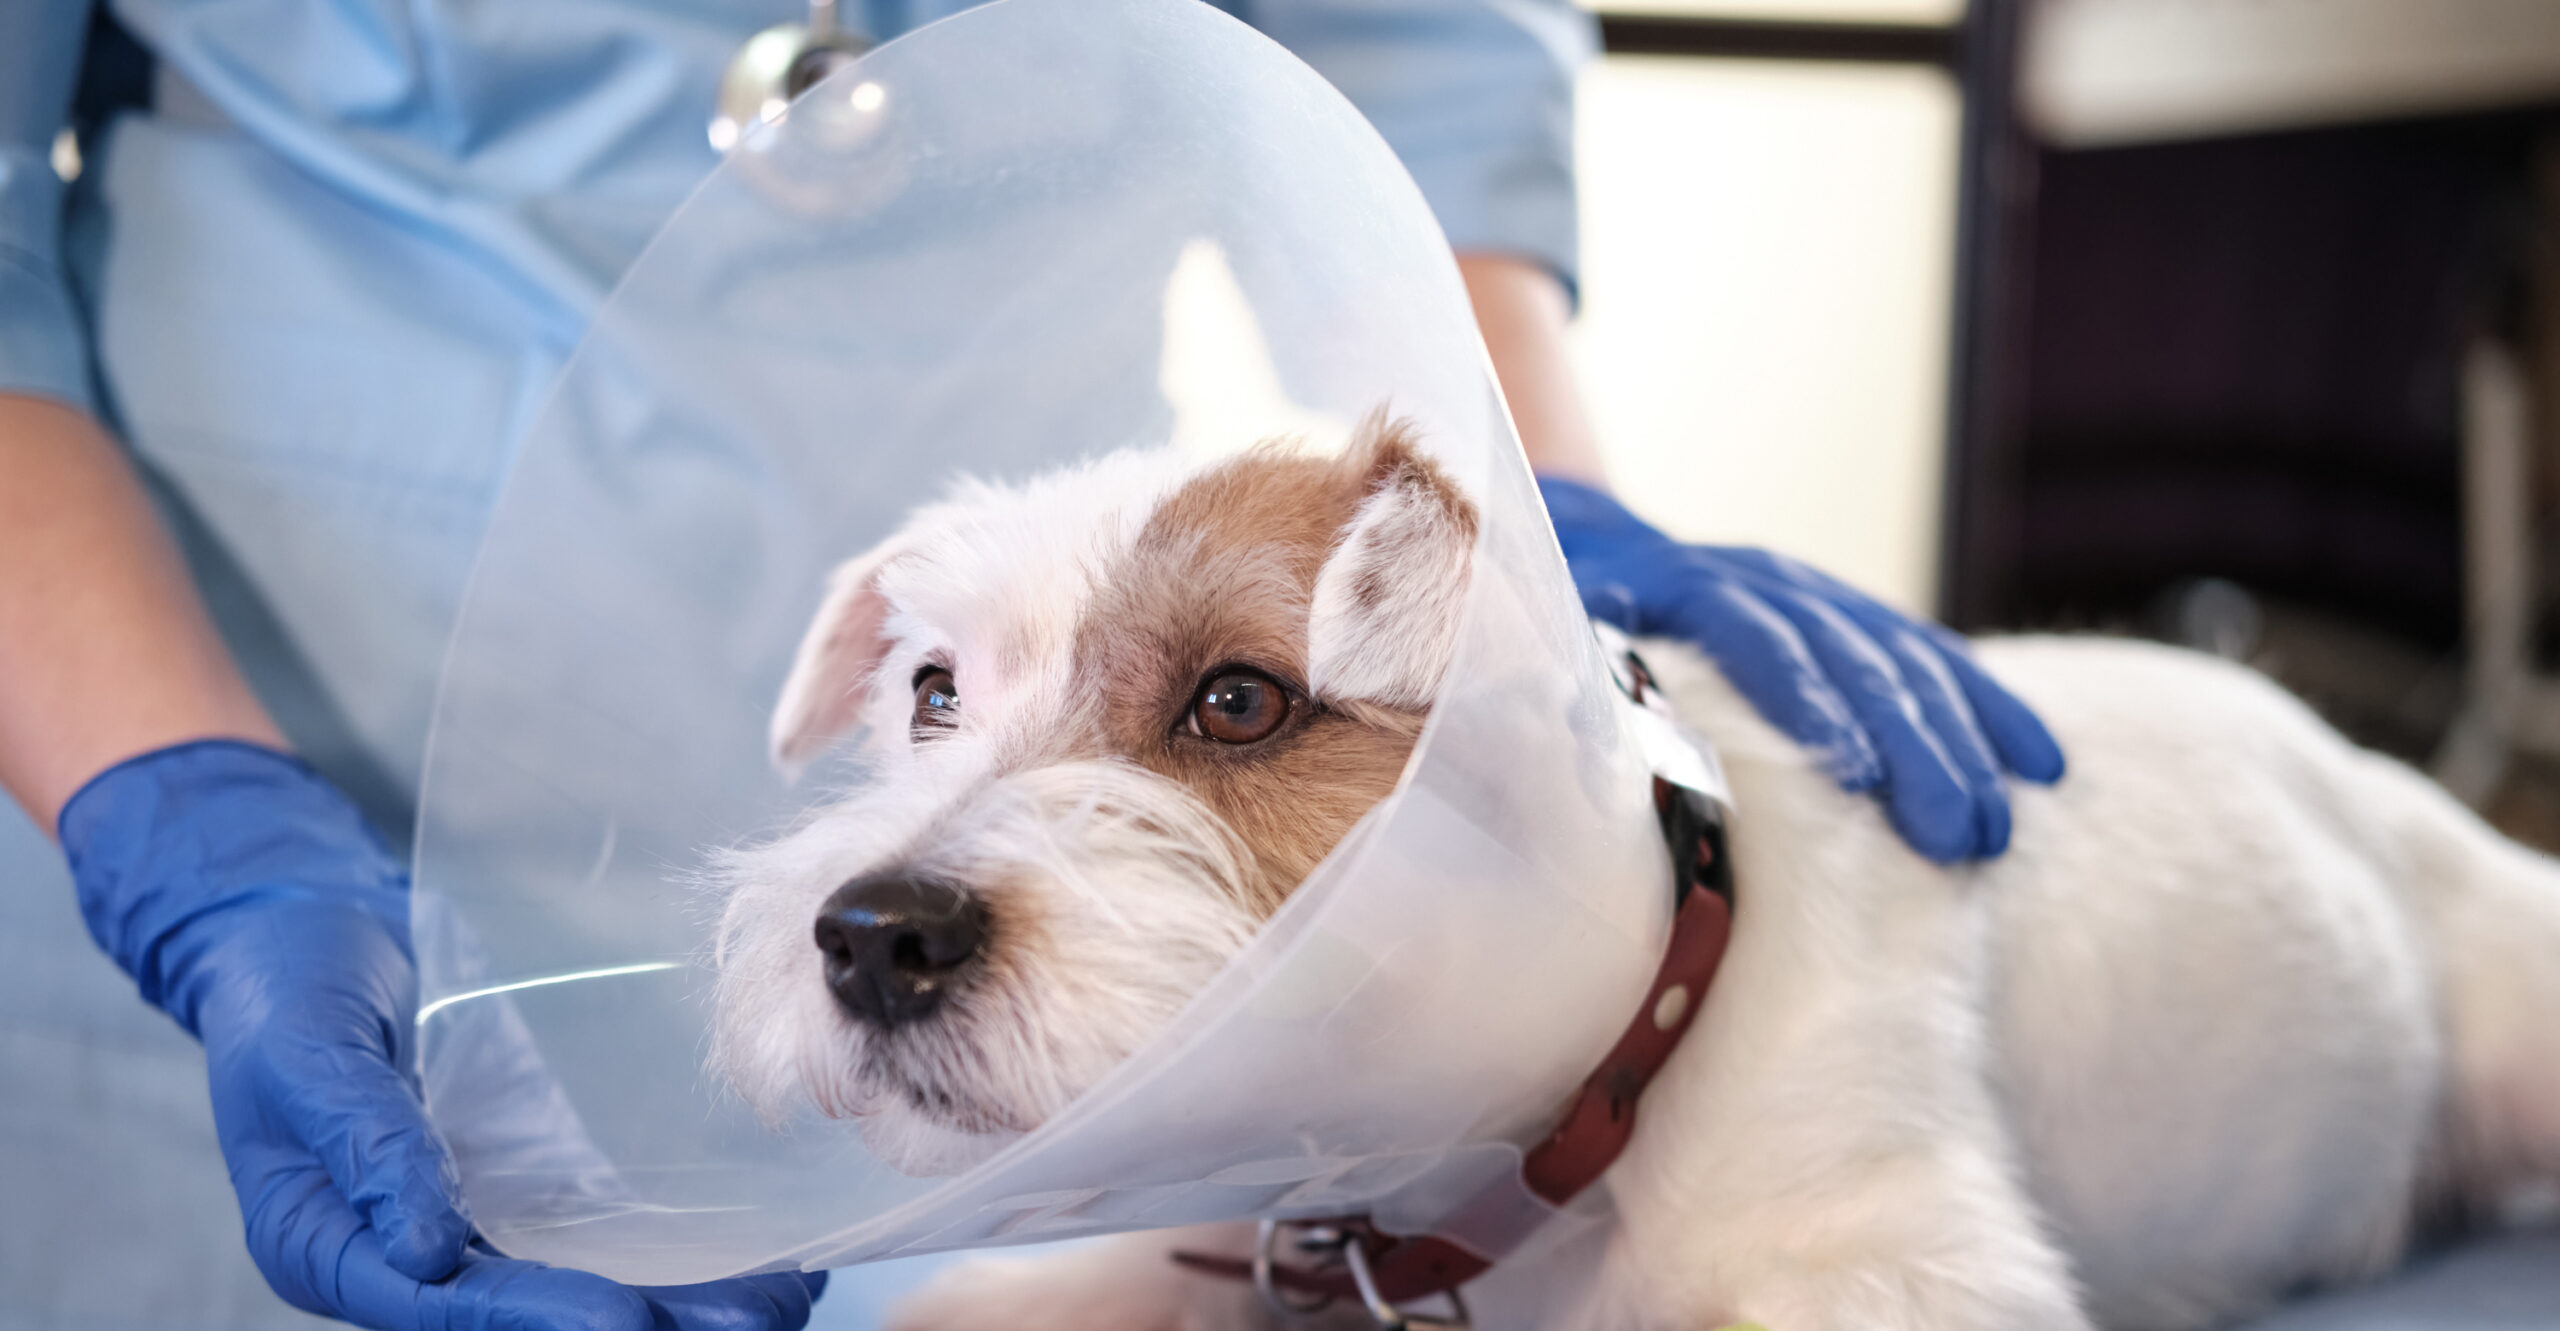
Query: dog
(2242, 1009)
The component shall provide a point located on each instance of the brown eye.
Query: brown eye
(937, 702)
(1238, 707)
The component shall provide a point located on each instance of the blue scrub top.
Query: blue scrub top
(321, 285)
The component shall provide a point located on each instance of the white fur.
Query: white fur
(1130, 885)
(2238, 1005)
(990, 585)
(1118, 892)
(1385, 617)
(844, 644)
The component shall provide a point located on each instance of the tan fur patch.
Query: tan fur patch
(1223, 575)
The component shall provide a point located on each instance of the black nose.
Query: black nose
(894, 944)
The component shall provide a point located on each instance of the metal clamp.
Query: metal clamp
(1330, 1247)
(1322, 1242)
(1387, 1315)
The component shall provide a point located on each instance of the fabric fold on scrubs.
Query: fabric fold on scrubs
(42, 348)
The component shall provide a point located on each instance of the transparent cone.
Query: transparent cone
(1038, 231)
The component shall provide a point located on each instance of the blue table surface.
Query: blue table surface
(2505, 1283)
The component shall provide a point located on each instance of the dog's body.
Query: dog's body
(2241, 1003)
(2241, 1006)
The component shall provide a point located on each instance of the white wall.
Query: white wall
(1767, 252)
(2131, 71)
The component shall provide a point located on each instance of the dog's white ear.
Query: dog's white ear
(823, 697)
(1385, 615)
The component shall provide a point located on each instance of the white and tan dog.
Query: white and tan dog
(2240, 1008)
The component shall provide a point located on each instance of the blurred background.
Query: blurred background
(2230, 322)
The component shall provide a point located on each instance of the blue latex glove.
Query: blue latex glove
(248, 900)
(1892, 705)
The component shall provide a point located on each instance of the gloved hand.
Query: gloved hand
(248, 900)
(1894, 706)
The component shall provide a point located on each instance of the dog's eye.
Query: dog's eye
(937, 702)
(1239, 707)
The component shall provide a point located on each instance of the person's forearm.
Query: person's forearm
(1523, 311)
(105, 652)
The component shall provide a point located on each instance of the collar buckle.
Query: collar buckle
(1335, 1247)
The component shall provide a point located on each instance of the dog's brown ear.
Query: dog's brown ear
(823, 696)
(1387, 603)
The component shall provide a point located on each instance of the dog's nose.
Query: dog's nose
(894, 943)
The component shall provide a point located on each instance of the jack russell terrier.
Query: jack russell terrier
(2242, 1007)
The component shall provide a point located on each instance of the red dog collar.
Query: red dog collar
(1383, 1270)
